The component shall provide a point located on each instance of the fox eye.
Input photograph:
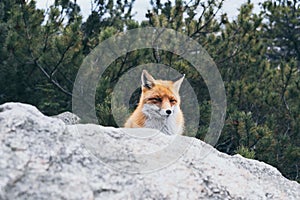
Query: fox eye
(173, 101)
(156, 99)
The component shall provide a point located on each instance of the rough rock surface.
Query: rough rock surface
(44, 158)
(68, 118)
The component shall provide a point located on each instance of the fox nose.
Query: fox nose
(168, 111)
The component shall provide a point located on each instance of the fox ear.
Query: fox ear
(177, 82)
(147, 80)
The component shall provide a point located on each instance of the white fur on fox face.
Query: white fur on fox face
(152, 110)
(163, 122)
(167, 112)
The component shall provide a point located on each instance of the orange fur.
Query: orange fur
(165, 96)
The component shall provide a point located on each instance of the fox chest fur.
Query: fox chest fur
(159, 106)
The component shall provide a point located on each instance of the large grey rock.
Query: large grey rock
(44, 158)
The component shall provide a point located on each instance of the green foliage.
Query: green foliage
(257, 55)
(281, 34)
(245, 152)
(40, 57)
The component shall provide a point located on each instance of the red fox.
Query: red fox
(159, 106)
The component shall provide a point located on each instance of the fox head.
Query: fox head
(160, 97)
